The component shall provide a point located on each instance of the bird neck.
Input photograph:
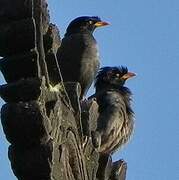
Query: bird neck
(78, 31)
(122, 90)
(106, 87)
(127, 97)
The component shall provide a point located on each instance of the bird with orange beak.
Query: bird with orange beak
(115, 122)
(78, 56)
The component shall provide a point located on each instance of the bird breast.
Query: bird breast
(114, 123)
(78, 59)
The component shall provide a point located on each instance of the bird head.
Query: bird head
(85, 23)
(112, 77)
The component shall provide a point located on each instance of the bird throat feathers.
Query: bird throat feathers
(125, 93)
(80, 30)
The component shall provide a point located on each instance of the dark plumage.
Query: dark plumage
(78, 55)
(115, 122)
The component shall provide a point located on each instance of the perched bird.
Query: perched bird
(78, 55)
(115, 122)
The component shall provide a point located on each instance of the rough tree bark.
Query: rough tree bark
(49, 130)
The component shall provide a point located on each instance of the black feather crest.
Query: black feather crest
(82, 19)
(85, 18)
(103, 72)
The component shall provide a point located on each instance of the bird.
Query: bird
(115, 123)
(78, 56)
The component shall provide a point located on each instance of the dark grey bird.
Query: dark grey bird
(78, 55)
(115, 122)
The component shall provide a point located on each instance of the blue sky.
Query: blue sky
(143, 35)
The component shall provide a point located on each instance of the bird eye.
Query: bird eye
(90, 22)
(117, 75)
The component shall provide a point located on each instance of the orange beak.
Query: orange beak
(101, 23)
(128, 75)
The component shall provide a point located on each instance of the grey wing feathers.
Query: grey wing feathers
(112, 113)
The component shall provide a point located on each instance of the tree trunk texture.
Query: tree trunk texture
(47, 127)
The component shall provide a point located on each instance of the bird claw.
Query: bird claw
(96, 139)
(85, 142)
(57, 88)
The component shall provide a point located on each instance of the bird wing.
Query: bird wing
(78, 59)
(112, 112)
(111, 121)
(69, 53)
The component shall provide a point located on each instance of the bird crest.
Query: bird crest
(85, 23)
(105, 73)
(84, 19)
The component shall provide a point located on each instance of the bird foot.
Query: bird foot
(85, 141)
(96, 139)
(56, 88)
